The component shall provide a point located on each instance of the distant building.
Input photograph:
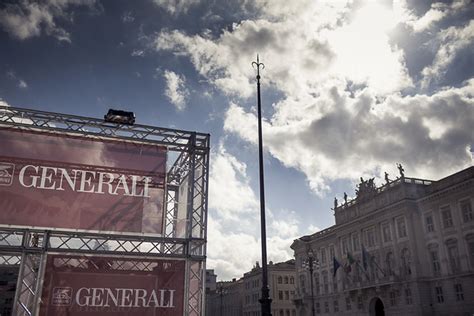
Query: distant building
(281, 282)
(240, 297)
(406, 248)
(211, 281)
(226, 299)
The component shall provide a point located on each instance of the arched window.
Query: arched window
(280, 280)
(286, 279)
(292, 280)
(406, 262)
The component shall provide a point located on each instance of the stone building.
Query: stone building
(281, 282)
(226, 299)
(405, 248)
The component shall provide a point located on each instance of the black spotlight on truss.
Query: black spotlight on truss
(120, 117)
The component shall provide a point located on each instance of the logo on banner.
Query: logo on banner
(62, 296)
(6, 173)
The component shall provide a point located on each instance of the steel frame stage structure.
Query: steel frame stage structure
(186, 194)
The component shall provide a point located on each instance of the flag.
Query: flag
(347, 268)
(350, 259)
(365, 258)
(336, 265)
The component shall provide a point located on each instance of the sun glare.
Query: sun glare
(375, 14)
(363, 50)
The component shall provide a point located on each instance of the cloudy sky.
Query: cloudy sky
(350, 88)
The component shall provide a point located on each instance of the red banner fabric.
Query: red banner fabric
(93, 286)
(63, 181)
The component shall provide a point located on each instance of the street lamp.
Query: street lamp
(265, 301)
(221, 292)
(311, 267)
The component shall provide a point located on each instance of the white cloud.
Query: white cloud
(176, 7)
(352, 136)
(20, 82)
(138, 53)
(234, 219)
(451, 42)
(127, 17)
(341, 114)
(230, 192)
(300, 51)
(28, 18)
(437, 12)
(176, 90)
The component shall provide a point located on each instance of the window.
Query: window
(280, 295)
(334, 283)
(336, 306)
(470, 247)
(387, 236)
(355, 242)
(348, 303)
(286, 280)
(318, 308)
(406, 262)
(302, 284)
(408, 298)
(325, 282)
(389, 262)
(393, 298)
(323, 256)
(360, 304)
(447, 218)
(429, 223)
(326, 307)
(370, 236)
(345, 246)
(435, 261)
(280, 280)
(331, 252)
(292, 280)
(466, 210)
(439, 294)
(401, 227)
(287, 295)
(316, 283)
(453, 255)
(459, 292)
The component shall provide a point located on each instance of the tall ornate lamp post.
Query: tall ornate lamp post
(265, 301)
(221, 292)
(311, 269)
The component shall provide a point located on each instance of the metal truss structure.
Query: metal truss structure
(184, 235)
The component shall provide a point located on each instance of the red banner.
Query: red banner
(62, 181)
(94, 286)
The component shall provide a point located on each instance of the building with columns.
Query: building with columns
(405, 248)
(281, 282)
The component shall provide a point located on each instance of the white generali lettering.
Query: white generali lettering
(121, 297)
(59, 179)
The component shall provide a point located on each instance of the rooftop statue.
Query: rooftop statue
(365, 188)
(401, 170)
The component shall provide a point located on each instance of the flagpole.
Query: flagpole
(265, 300)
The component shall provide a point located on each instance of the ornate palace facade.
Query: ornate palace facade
(406, 248)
